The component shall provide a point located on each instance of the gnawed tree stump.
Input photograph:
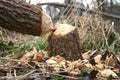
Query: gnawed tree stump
(23, 17)
(64, 41)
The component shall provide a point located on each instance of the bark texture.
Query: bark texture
(65, 42)
(21, 17)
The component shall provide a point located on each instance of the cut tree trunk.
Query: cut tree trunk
(22, 17)
(64, 41)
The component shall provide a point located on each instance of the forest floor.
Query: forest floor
(37, 65)
(100, 50)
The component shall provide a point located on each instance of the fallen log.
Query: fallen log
(23, 17)
(64, 41)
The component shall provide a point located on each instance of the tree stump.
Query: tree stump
(64, 41)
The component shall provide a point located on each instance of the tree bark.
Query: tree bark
(21, 17)
(64, 41)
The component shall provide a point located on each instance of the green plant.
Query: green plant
(41, 44)
(8, 48)
(59, 78)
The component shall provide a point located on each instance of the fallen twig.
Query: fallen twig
(21, 77)
(83, 9)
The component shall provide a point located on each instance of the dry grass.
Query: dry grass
(99, 34)
(95, 32)
(13, 42)
(15, 37)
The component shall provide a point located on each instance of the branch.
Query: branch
(83, 9)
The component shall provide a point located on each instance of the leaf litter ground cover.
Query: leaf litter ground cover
(37, 65)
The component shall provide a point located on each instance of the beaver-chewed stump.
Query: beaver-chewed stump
(64, 41)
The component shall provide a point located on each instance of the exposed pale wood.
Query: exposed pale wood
(64, 41)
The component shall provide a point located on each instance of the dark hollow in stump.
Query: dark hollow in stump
(64, 41)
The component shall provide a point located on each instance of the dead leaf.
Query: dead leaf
(54, 66)
(51, 61)
(28, 56)
(86, 55)
(58, 58)
(107, 73)
(33, 50)
(76, 64)
(88, 65)
(38, 57)
(45, 53)
(73, 65)
(100, 66)
(75, 72)
(98, 58)
(63, 64)
(56, 63)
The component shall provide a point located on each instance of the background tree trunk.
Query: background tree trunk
(21, 17)
(65, 42)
